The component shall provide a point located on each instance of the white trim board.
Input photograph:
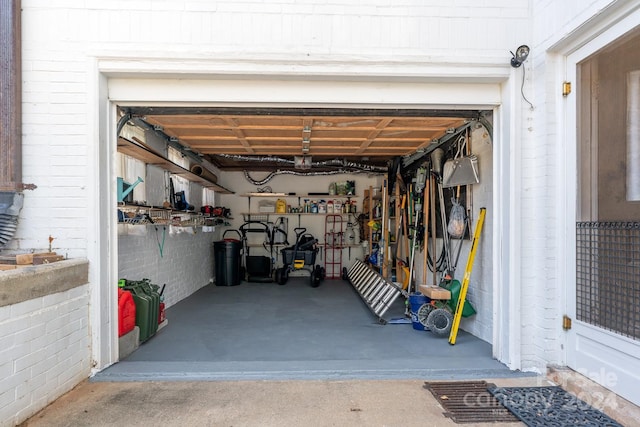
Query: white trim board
(588, 348)
(268, 92)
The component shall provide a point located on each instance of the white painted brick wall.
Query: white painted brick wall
(481, 285)
(56, 61)
(44, 352)
(185, 267)
(62, 39)
(57, 58)
(542, 293)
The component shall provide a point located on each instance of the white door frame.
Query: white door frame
(607, 358)
(507, 234)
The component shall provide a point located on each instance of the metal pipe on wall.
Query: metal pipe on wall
(10, 96)
(11, 184)
(633, 136)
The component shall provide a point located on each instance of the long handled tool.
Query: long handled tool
(397, 253)
(467, 275)
(446, 241)
(425, 225)
(433, 230)
(421, 177)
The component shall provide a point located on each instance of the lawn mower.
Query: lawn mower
(258, 268)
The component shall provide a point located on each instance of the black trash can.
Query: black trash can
(226, 255)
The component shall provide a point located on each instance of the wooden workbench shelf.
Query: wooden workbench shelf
(146, 154)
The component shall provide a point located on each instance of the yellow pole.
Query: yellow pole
(465, 281)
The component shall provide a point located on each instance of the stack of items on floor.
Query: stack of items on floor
(404, 222)
(140, 312)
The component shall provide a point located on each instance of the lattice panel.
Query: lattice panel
(608, 276)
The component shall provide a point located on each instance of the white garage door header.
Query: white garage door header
(299, 93)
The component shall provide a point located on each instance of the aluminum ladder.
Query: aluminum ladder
(376, 292)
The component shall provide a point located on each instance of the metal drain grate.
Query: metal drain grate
(469, 402)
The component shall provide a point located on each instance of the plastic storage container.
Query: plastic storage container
(152, 291)
(415, 302)
(226, 255)
(147, 308)
(309, 256)
(126, 312)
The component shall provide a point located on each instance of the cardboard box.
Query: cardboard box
(434, 292)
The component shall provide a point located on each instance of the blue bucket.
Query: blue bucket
(416, 301)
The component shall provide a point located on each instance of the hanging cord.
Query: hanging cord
(438, 263)
(161, 245)
(522, 88)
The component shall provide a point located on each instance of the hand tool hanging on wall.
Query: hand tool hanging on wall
(436, 175)
(457, 221)
(434, 242)
(446, 242)
(384, 240)
(421, 176)
(425, 216)
(436, 161)
(467, 276)
(172, 194)
(397, 247)
(405, 236)
(401, 235)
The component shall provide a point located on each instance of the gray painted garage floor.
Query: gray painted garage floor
(263, 331)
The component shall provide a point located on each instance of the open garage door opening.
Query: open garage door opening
(247, 222)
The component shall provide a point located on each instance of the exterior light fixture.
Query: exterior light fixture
(520, 56)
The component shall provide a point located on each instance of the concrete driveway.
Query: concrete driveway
(402, 403)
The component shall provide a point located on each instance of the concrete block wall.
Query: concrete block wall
(44, 351)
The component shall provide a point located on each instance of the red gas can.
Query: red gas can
(126, 312)
(161, 315)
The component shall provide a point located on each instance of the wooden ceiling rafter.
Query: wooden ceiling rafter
(382, 124)
(375, 135)
(242, 139)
